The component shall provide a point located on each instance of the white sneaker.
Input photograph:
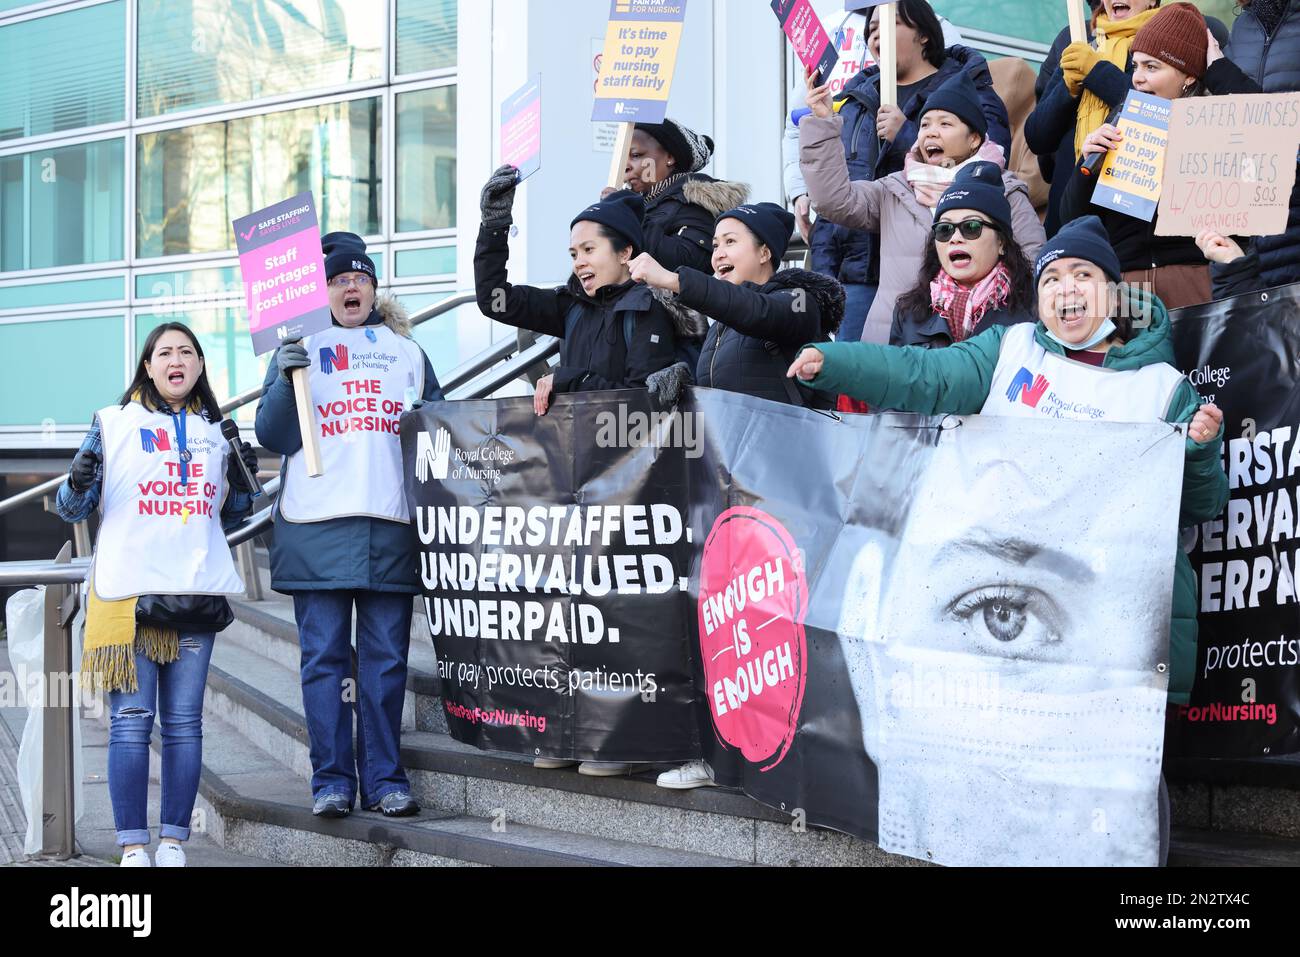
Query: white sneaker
(695, 774)
(606, 769)
(169, 854)
(136, 858)
(550, 764)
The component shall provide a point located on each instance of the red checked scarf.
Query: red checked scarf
(962, 307)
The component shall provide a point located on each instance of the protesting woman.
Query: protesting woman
(681, 203)
(1266, 45)
(761, 316)
(953, 131)
(974, 274)
(156, 467)
(1096, 359)
(615, 334)
(343, 540)
(1173, 56)
(875, 139)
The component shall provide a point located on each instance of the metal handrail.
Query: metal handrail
(458, 376)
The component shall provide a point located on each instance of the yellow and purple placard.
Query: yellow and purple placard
(636, 72)
(521, 128)
(808, 38)
(283, 271)
(1132, 174)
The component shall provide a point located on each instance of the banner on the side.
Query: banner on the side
(1241, 354)
(887, 624)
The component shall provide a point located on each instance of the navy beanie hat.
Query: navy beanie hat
(1083, 238)
(345, 252)
(978, 186)
(958, 96)
(772, 224)
(622, 212)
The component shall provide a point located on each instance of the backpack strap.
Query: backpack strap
(792, 389)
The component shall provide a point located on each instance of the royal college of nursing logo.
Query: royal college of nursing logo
(155, 441)
(334, 360)
(1027, 388)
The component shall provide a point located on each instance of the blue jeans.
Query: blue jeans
(857, 303)
(329, 697)
(174, 692)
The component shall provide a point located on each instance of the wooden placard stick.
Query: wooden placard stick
(1078, 27)
(307, 423)
(888, 55)
(618, 162)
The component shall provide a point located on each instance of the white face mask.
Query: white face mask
(1104, 332)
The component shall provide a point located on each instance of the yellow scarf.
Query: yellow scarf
(1114, 40)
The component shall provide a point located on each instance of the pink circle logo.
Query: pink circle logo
(753, 598)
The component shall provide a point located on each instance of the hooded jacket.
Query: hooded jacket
(757, 330)
(889, 207)
(1273, 61)
(678, 226)
(594, 349)
(353, 553)
(849, 254)
(956, 381)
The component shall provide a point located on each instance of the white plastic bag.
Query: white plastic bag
(25, 621)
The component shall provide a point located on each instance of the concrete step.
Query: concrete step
(1193, 847)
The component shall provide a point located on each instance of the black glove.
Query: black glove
(666, 385)
(84, 471)
(235, 475)
(499, 197)
(292, 355)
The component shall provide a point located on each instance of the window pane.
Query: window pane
(449, 339)
(63, 72)
(192, 182)
(227, 349)
(69, 291)
(93, 347)
(426, 35)
(196, 53)
(1032, 20)
(438, 261)
(426, 159)
(61, 207)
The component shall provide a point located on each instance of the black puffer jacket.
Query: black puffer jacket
(594, 351)
(679, 215)
(1135, 240)
(931, 329)
(758, 330)
(1274, 63)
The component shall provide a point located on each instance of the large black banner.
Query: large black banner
(1242, 355)
(884, 624)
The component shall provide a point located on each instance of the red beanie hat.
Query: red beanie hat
(1177, 36)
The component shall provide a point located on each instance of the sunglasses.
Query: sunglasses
(971, 229)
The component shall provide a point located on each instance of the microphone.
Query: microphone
(1091, 164)
(230, 432)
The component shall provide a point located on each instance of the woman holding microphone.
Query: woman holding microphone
(158, 469)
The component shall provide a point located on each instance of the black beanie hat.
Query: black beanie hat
(345, 252)
(1084, 238)
(958, 96)
(772, 224)
(691, 150)
(622, 212)
(978, 186)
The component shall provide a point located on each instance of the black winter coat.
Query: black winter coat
(1241, 275)
(594, 352)
(1135, 240)
(1274, 63)
(931, 330)
(758, 330)
(1054, 117)
(850, 255)
(679, 219)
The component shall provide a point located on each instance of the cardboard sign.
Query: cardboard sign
(811, 45)
(1231, 165)
(521, 128)
(636, 72)
(1132, 174)
(283, 271)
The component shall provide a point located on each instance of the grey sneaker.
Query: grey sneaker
(331, 804)
(395, 804)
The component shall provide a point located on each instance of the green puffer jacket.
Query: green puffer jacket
(956, 380)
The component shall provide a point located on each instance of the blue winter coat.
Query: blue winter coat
(850, 255)
(1274, 63)
(354, 553)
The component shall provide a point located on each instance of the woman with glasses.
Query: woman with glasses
(343, 540)
(952, 134)
(974, 274)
